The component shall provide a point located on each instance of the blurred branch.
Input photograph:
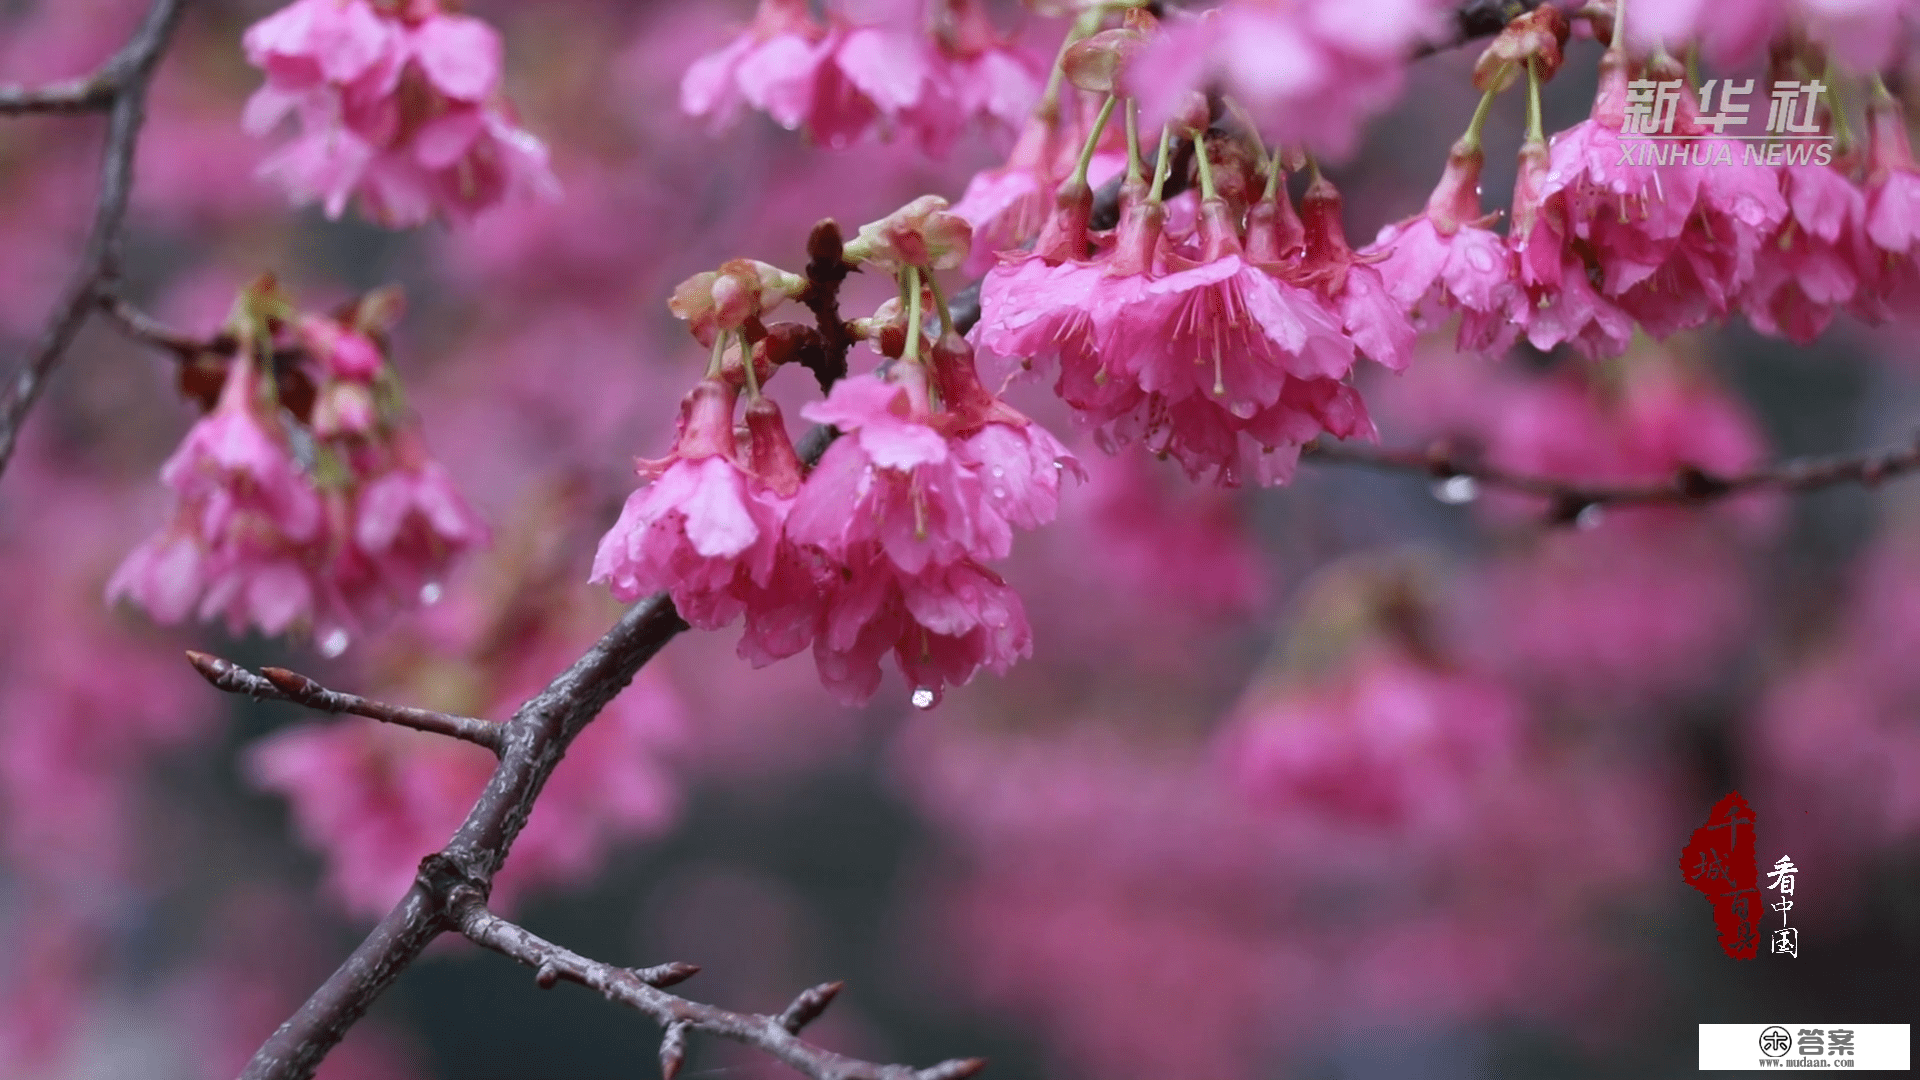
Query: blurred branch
(1688, 486)
(279, 684)
(778, 1036)
(147, 330)
(1477, 19)
(120, 86)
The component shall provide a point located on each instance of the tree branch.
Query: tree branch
(776, 1035)
(125, 79)
(1687, 487)
(1477, 19)
(279, 684)
(88, 94)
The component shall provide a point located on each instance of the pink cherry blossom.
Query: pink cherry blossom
(894, 480)
(1890, 264)
(402, 111)
(1394, 745)
(247, 524)
(698, 528)
(855, 76)
(1860, 35)
(1311, 73)
(1448, 254)
(1814, 266)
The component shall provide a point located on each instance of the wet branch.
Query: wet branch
(1687, 487)
(120, 87)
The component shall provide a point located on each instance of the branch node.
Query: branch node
(1567, 508)
(673, 1050)
(666, 975)
(546, 976)
(1697, 485)
(809, 1005)
(956, 1069)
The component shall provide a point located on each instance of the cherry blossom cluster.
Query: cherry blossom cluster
(305, 499)
(399, 105)
(882, 547)
(1610, 231)
(922, 68)
(1220, 331)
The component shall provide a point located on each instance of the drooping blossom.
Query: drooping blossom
(1401, 746)
(399, 106)
(1448, 254)
(1310, 73)
(909, 520)
(927, 72)
(306, 499)
(1889, 267)
(1814, 266)
(1603, 231)
(704, 529)
(1227, 366)
(247, 526)
(1860, 34)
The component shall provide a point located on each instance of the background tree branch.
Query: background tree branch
(1687, 487)
(778, 1036)
(120, 86)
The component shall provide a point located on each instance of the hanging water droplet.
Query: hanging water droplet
(430, 593)
(1243, 409)
(333, 643)
(1590, 517)
(1457, 490)
(922, 698)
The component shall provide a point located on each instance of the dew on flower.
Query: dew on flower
(922, 698)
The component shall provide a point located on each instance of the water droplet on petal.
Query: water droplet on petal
(431, 592)
(1480, 259)
(922, 698)
(998, 471)
(333, 643)
(999, 493)
(1243, 409)
(1590, 517)
(1457, 490)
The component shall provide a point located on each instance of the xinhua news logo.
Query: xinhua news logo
(1720, 130)
(1872, 1047)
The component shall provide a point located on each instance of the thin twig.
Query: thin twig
(128, 74)
(147, 330)
(1688, 486)
(90, 93)
(624, 986)
(279, 684)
